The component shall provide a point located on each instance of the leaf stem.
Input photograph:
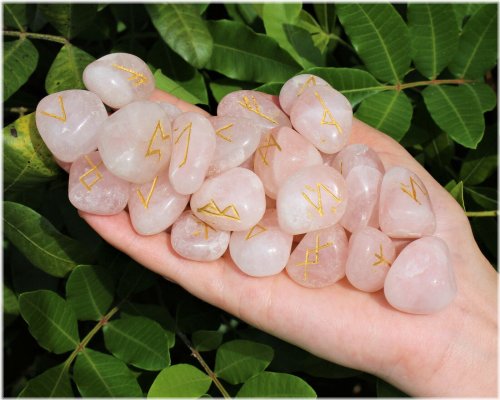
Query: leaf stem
(492, 213)
(42, 36)
(402, 86)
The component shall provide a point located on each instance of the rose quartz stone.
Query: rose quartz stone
(155, 205)
(295, 86)
(356, 155)
(193, 149)
(231, 201)
(135, 142)
(248, 163)
(324, 116)
(405, 209)
(400, 244)
(68, 122)
(196, 240)
(172, 111)
(313, 198)
(281, 153)
(236, 139)
(253, 105)
(92, 188)
(119, 79)
(371, 254)
(421, 279)
(320, 257)
(262, 250)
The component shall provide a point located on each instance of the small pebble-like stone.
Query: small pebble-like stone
(319, 259)
(264, 249)
(92, 188)
(172, 111)
(421, 279)
(356, 155)
(371, 253)
(119, 79)
(405, 209)
(231, 201)
(312, 198)
(68, 122)
(196, 240)
(295, 86)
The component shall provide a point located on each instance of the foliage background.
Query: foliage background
(82, 319)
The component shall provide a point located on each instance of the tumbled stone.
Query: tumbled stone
(231, 201)
(196, 240)
(421, 279)
(93, 189)
(282, 152)
(295, 86)
(193, 149)
(262, 250)
(312, 198)
(319, 259)
(172, 111)
(371, 254)
(135, 142)
(68, 122)
(154, 206)
(248, 163)
(405, 209)
(119, 79)
(356, 155)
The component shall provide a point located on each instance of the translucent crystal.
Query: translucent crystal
(295, 86)
(356, 155)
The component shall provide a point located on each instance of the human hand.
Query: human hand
(450, 353)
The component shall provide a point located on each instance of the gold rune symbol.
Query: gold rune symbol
(188, 140)
(202, 225)
(60, 118)
(327, 118)
(211, 208)
(145, 201)
(256, 230)
(255, 107)
(311, 81)
(413, 194)
(381, 259)
(226, 138)
(94, 169)
(271, 142)
(316, 251)
(139, 78)
(319, 205)
(164, 136)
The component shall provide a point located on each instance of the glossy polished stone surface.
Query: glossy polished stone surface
(356, 155)
(295, 86)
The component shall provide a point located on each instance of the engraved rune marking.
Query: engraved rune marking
(211, 208)
(59, 117)
(255, 107)
(145, 201)
(202, 226)
(381, 259)
(164, 136)
(271, 142)
(319, 205)
(188, 140)
(139, 78)
(327, 118)
(226, 138)
(94, 169)
(311, 81)
(413, 194)
(341, 164)
(315, 251)
(256, 230)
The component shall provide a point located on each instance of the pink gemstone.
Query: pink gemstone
(193, 149)
(421, 280)
(196, 240)
(172, 111)
(248, 163)
(155, 205)
(319, 259)
(355, 155)
(281, 153)
(324, 116)
(231, 201)
(68, 122)
(313, 198)
(92, 188)
(295, 86)
(371, 254)
(264, 249)
(405, 209)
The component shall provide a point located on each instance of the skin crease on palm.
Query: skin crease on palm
(450, 353)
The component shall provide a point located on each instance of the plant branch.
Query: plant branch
(42, 36)
(492, 213)
(402, 86)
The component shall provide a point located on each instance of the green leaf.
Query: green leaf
(69, 19)
(439, 153)
(180, 380)
(10, 302)
(54, 382)
(478, 165)
(390, 112)
(138, 341)
(170, 86)
(486, 197)
(44, 246)
(206, 340)
(20, 59)
(89, 291)
(51, 320)
(302, 41)
(66, 71)
(456, 112)
(26, 277)
(434, 37)
(182, 28)
(222, 87)
(462, 10)
(380, 37)
(326, 15)
(320, 38)
(273, 88)
(16, 15)
(238, 360)
(484, 94)
(272, 384)
(101, 375)
(260, 59)
(477, 47)
(242, 12)
(386, 390)
(457, 191)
